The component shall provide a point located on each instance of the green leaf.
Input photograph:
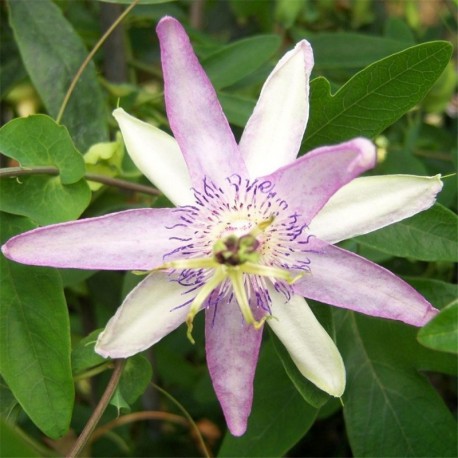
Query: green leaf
(37, 141)
(141, 2)
(311, 394)
(427, 236)
(135, 378)
(438, 292)
(9, 407)
(337, 50)
(35, 339)
(280, 417)
(375, 97)
(237, 60)
(52, 52)
(83, 355)
(287, 12)
(441, 333)
(237, 109)
(14, 442)
(397, 29)
(106, 159)
(390, 409)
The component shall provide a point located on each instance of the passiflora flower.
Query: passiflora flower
(252, 233)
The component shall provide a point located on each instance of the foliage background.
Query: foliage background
(401, 394)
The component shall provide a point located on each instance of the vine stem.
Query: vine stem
(200, 439)
(11, 172)
(98, 412)
(89, 57)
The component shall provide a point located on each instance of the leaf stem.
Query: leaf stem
(89, 57)
(10, 172)
(98, 412)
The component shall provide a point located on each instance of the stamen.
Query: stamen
(269, 271)
(219, 275)
(236, 277)
(262, 226)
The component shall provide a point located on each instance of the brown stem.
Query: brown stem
(11, 172)
(98, 412)
(116, 182)
(132, 417)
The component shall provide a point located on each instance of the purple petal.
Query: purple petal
(150, 312)
(128, 240)
(232, 353)
(309, 182)
(194, 112)
(274, 131)
(347, 280)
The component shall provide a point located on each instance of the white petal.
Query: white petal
(274, 132)
(309, 345)
(147, 315)
(370, 203)
(157, 155)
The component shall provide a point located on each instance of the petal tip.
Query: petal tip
(307, 51)
(118, 112)
(368, 151)
(430, 313)
(168, 21)
(237, 431)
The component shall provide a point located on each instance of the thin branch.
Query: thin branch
(202, 444)
(98, 412)
(132, 417)
(11, 172)
(89, 57)
(116, 182)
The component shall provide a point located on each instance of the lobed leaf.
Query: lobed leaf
(35, 339)
(38, 141)
(375, 97)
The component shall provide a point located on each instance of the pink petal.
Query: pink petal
(194, 112)
(232, 349)
(128, 240)
(150, 312)
(309, 182)
(274, 131)
(347, 280)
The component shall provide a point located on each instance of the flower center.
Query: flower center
(233, 250)
(232, 243)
